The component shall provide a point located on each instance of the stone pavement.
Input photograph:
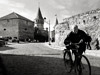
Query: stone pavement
(88, 52)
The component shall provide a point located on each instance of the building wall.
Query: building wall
(26, 29)
(40, 26)
(88, 21)
(61, 31)
(9, 28)
(53, 36)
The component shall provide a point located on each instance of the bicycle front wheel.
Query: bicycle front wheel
(67, 61)
(85, 66)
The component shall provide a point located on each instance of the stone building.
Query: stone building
(16, 26)
(61, 31)
(88, 21)
(40, 35)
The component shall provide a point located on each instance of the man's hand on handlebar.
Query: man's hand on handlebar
(73, 45)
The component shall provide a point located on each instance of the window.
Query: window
(84, 21)
(25, 29)
(37, 21)
(7, 20)
(4, 29)
(95, 17)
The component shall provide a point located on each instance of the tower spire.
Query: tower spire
(39, 15)
(56, 20)
(39, 19)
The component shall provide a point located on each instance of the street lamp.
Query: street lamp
(49, 30)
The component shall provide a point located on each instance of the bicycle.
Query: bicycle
(79, 63)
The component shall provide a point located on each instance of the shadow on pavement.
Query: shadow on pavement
(6, 48)
(36, 65)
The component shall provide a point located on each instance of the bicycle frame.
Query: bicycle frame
(77, 64)
(77, 57)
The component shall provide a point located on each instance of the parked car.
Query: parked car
(15, 40)
(2, 42)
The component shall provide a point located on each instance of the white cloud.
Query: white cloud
(9, 3)
(54, 4)
(17, 7)
(4, 1)
(63, 8)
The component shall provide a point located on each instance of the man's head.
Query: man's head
(75, 29)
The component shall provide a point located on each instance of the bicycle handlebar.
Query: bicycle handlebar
(73, 46)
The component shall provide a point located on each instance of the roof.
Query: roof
(14, 15)
(39, 15)
(56, 23)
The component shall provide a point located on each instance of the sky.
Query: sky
(49, 8)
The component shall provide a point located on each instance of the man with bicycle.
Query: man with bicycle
(76, 36)
(76, 41)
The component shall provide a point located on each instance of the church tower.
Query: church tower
(39, 20)
(56, 22)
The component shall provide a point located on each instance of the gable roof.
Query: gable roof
(14, 15)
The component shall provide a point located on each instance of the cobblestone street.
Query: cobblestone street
(38, 59)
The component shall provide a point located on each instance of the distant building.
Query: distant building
(40, 35)
(16, 26)
(53, 32)
(53, 36)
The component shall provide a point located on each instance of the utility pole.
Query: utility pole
(49, 39)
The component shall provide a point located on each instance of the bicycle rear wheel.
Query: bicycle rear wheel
(67, 61)
(85, 66)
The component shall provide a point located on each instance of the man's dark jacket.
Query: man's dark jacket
(75, 38)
